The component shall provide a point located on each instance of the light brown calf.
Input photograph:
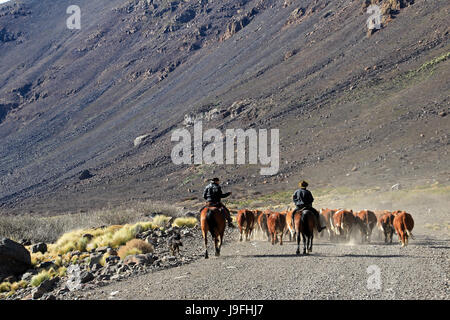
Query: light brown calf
(246, 222)
(368, 221)
(276, 223)
(403, 225)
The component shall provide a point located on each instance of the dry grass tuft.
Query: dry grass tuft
(113, 236)
(42, 276)
(187, 221)
(5, 287)
(161, 220)
(134, 247)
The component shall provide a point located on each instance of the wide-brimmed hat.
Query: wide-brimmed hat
(215, 179)
(303, 184)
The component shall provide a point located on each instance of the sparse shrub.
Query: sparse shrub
(40, 277)
(5, 287)
(19, 285)
(62, 271)
(161, 220)
(59, 261)
(134, 247)
(185, 221)
(113, 236)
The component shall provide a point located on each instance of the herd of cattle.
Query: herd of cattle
(340, 224)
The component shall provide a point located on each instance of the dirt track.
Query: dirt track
(258, 270)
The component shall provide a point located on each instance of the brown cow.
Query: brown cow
(262, 223)
(403, 225)
(327, 215)
(289, 229)
(367, 221)
(386, 224)
(276, 223)
(344, 221)
(379, 214)
(289, 225)
(246, 221)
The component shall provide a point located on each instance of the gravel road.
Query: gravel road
(258, 270)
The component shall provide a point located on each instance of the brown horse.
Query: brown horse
(304, 225)
(213, 220)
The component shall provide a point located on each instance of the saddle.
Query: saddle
(315, 212)
(214, 205)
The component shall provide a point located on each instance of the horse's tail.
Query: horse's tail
(210, 220)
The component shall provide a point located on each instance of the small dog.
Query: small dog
(175, 243)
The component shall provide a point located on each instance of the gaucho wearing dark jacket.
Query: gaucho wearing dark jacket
(213, 193)
(303, 198)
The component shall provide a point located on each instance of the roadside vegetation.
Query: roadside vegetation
(72, 238)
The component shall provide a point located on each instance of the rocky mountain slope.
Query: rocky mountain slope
(354, 109)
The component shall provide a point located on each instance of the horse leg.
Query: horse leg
(281, 239)
(205, 238)
(298, 244)
(304, 243)
(311, 242)
(217, 245)
(221, 240)
(240, 232)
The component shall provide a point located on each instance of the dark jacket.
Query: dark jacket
(213, 193)
(303, 197)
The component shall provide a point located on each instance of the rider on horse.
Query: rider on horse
(213, 196)
(303, 199)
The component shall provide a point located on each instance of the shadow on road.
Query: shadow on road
(278, 255)
(378, 256)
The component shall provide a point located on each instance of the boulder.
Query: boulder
(295, 16)
(44, 287)
(86, 174)
(235, 26)
(25, 242)
(142, 139)
(102, 249)
(77, 277)
(112, 260)
(15, 259)
(47, 265)
(86, 276)
(96, 267)
(396, 186)
(95, 259)
(28, 275)
(39, 247)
